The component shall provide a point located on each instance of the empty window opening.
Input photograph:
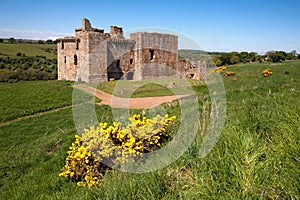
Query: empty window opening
(151, 54)
(130, 76)
(131, 61)
(77, 44)
(62, 45)
(75, 60)
(65, 59)
(118, 63)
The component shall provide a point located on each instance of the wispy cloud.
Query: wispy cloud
(31, 34)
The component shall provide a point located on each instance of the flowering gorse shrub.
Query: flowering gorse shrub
(113, 145)
(81, 165)
(218, 69)
(229, 73)
(267, 72)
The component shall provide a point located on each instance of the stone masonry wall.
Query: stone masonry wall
(119, 57)
(66, 50)
(154, 53)
(94, 56)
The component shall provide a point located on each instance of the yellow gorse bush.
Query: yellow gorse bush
(113, 145)
(221, 69)
(116, 144)
(267, 72)
(229, 73)
(218, 69)
(81, 165)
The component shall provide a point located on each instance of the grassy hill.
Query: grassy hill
(256, 157)
(196, 55)
(21, 61)
(47, 50)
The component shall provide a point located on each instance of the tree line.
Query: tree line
(232, 58)
(12, 40)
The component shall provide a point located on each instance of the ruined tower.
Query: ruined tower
(94, 56)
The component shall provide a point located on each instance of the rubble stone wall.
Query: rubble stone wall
(94, 56)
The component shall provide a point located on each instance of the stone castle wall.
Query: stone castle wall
(95, 56)
(66, 50)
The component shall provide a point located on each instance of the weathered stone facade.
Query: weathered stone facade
(95, 56)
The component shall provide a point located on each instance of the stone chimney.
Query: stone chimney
(86, 25)
(116, 32)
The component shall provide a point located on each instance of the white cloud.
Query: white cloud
(31, 34)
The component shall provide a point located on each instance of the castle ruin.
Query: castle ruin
(94, 56)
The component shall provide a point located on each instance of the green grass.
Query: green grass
(29, 49)
(256, 157)
(28, 98)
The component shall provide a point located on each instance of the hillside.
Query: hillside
(11, 50)
(22, 61)
(256, 157)
(196, 55)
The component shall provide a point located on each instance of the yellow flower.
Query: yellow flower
(81, 184)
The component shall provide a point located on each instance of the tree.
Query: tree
(40, 42)
(278, 56)
(260, 58)
(1, 40)
(49, 41)
(294, 53)
(244, 57)
(225, 59)
(217, 61)
(252, 56)
(11, 40)
(234, 59)
(289, 56)
(269, 54)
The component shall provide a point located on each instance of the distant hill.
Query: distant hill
(11, 50)
(196, 55)
(27, 61)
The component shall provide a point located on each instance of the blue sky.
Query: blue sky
(228, 25)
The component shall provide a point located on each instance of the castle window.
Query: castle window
(131, 61)
(75, 60)
(65, 59)
(151, 54)
(77, 44)
(130, 76)
(62, 45)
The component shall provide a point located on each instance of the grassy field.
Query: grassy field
(257, 155)
(28, 98)
(27, 62)
(48, 50)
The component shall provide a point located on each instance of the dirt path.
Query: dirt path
(131, 103)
